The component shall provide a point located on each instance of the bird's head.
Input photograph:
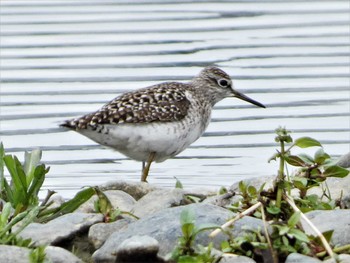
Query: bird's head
(218, 85)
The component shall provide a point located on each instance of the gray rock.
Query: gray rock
(14, 254)
(55, 201)
(60, 229)
(118, 199)
(343, 258)
(337, 220)
(344, 161)
(164, 226)
(257, 182)
(338, 187)
(158, 200)
(59, 255)
(99, 233)
(138, 249)
(135, 189)
(21, 255)
(298, 258)
(231, 258)
(223, 200)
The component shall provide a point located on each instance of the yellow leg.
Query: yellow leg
(145, 168)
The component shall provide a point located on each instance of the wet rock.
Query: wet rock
(158, 200)
(135, 189)
(99, 233)
(118, 199)
(164, 226)
(60, 229)
(138, 249)
(297, 258)
(337, 220)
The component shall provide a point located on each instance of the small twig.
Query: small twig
(313, 227)
(335, 250)
(230, 222)
(274, 256)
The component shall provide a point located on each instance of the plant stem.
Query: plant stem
(313, 227)
(280, 177)
(239, 216)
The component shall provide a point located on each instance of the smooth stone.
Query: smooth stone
(338, 188)
(298, 258)
(135, 189)
(344, 161)
(60, 229)
(59, 255)
(165, 227)
(158, 200)
(232, 258)
(118, 199)
(138, 249)
(99, 233)
(21, 255)
(14, 254)
(343, 258)
(325, 220)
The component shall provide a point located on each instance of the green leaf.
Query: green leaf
(252, 190)
(321, 156)
(306, 158)
(273, 210)
(294, 219)
(305, 142)
(187, 216)
(300, 182)
(295, 160)
(335, 171)
(188, 259)
(298, 234)
(187, 230)
(283, 230)
(71, 205)
(38, 180)
(178, 183)
(31, 161)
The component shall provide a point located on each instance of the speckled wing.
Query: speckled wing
(160, 103)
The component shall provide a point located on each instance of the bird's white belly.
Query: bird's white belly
(137, 141)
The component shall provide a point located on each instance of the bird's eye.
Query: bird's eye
(223, 83)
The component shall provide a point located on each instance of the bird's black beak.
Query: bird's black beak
(241, 96)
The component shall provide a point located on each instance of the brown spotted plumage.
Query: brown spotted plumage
(158, 122)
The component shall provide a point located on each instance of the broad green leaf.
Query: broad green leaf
(283, 230)
(305, 142)
(294, 219)
(29, 218)
(274, 210)
(300, 182)
(335, 171)
(4, 215)
(295, 161)
(252, 190)
(37, 182)
(187, 216)
(298, 234)
(31, 161)
(321, 156)
(306, 158)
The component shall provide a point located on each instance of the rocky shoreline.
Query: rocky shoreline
(83, 236)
